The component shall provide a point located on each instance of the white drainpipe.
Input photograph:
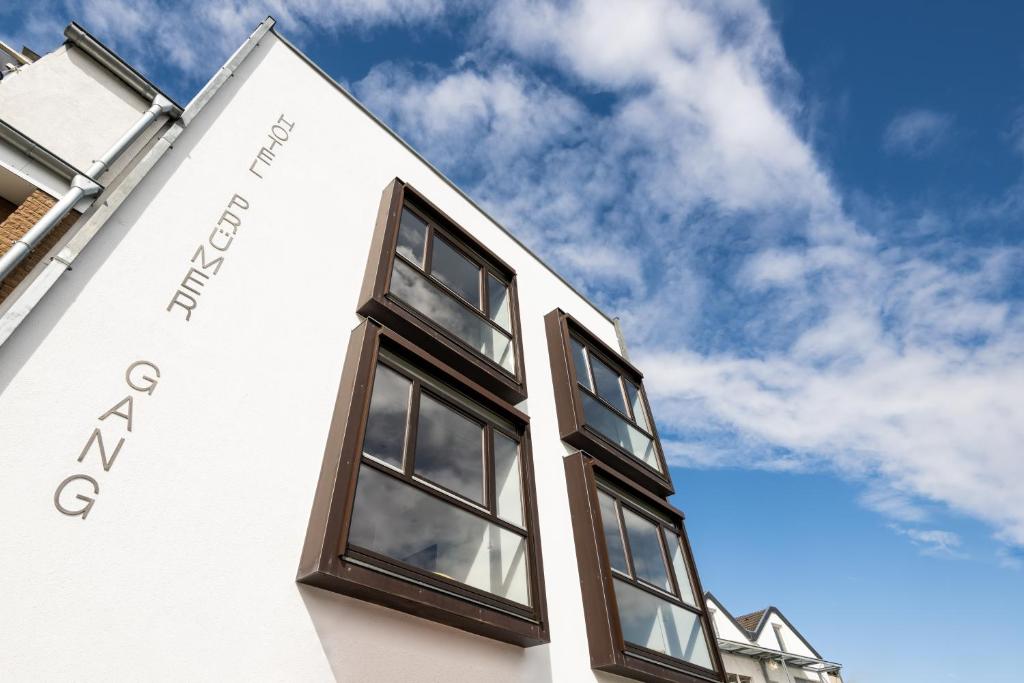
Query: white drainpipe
(82, 185)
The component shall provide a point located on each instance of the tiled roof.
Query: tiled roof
(750, 621)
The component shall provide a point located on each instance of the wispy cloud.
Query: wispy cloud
(934, 542)
(917, 133)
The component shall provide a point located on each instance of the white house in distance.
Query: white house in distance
(278, 401)
(764, 647)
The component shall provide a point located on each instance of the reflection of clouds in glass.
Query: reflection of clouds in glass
(395, 519)
(612, 534)
(681, 568)
(415, 289)
(637, 404)
(617, 430)
(607, 381)
(385, 425)
(507, 484)
(645, 547)
(579, 359)
(498, 306)
(456, 271)
(449, 449)
(661, 626)
(412, 237)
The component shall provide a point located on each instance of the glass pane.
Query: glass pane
(419, 292)
(449, 449)
(616, 429)
(612, 535)
(412, 237)
(645, 547)
(507, 483)
(649, 621)
(681, 569)
(636, 402)
(385, 426)
(394, 519)
(456, 271)
(498, 306)
(607, 381)
(580, 361)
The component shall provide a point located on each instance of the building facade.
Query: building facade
(764, 647)
(279, 402)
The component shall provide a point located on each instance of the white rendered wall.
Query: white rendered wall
(185, 567)
(72, 106)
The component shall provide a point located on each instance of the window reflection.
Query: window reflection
(395, 519)
(412, 238)
(607, 381)
(616, 429)
(385, 426)
(645, 547)
(659, 625)
(681, 569)
(419, 292)
(456, 271)
(612, 533)
(507, 480)
(579, 359)
(449, 449)
(497, 303)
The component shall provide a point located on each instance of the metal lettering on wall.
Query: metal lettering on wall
(76, 495)
(208, 257)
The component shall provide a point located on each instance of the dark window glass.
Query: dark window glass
(645, 548)
(612, 533)
(393, 518)
(636, 403)
(412, 237)
(449, 449)
(497, 303)
(608, 387)
(579, 359)
(385, 426)
(456, 271)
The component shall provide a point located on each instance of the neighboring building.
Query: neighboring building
(268, 341)
(764, 647)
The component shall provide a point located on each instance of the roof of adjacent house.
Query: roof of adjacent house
(751, 621)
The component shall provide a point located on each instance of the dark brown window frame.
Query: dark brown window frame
(608, 649)
(329, 562)
(375, 300)
(561, 328)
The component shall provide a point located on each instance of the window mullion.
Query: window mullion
(489, 476)
(409, 462)
(625, 540)
(667, 559)
(428, 251)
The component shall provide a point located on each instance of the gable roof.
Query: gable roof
(751, 621)
(753, 624)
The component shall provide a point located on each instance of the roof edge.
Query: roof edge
(85, 41)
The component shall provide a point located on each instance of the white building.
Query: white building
(764, 647)
(279, 402)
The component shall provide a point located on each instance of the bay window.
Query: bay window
(602, 407)
(642, 596)
(426, 500)
(433, 282)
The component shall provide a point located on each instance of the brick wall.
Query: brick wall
(18, 223)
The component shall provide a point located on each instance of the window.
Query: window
(434, 283)
(737, 678)
(425, 502)
(602, 407)
(644, 615)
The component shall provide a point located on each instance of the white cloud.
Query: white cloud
(934, 542)
(826, 344)
(917, 133)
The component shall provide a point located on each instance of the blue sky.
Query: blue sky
(808, 216)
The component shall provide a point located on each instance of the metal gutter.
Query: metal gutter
(110, 201)
(448, 181)
(33, 150)
(83, 40)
